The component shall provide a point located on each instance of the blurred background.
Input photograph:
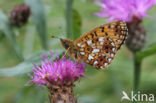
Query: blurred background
(49, 17)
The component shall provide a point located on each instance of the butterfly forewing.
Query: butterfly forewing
(99, 46)
(117, 31)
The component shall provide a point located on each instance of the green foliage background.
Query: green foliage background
(100, 86)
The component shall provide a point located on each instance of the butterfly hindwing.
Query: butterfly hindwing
(98, 52)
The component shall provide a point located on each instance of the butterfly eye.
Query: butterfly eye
(66, 45)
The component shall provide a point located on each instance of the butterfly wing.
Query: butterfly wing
(117, 31)
(99, 46)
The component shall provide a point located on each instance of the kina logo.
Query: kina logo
(138, 97)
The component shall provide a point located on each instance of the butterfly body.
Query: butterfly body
(71, 48)
(99, 46)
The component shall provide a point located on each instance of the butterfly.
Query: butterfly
(99, 46)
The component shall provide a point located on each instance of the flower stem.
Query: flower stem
(138, 57)
(137, 72)
(69, 18)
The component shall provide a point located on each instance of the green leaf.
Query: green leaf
(25, 66)
(30, 36)
(6, 28)
(38, 17)
(145, 53)
(77, 24)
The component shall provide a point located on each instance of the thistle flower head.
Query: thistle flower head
(124, 9)
(56, 71)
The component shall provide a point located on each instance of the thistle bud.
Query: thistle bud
(137, 35)
(19, 15)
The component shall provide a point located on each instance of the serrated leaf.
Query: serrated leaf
(38, 17)
(77, 24)
(6, 28)
(25, 66)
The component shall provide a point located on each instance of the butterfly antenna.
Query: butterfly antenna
(55, 37)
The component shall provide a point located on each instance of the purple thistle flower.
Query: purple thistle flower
(124, 9)
(57, 72)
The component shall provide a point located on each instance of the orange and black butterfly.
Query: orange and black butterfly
(99, 46)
